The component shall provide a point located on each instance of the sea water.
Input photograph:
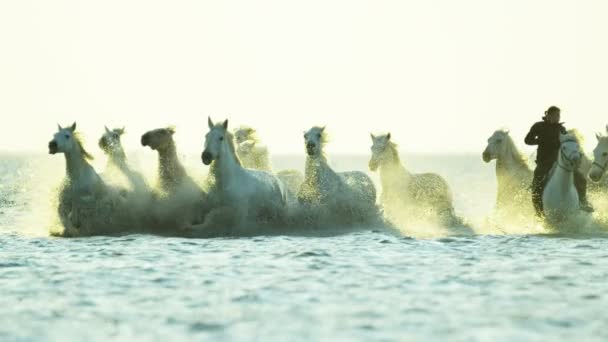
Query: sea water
(497, 285)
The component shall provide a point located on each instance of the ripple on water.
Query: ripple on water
(313, 253)
(206, 326)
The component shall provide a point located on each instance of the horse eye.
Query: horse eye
(605, 154)
(498, 141)
(318, 135)
(221, 138)
(67, 136)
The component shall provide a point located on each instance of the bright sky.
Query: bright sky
(441, 75)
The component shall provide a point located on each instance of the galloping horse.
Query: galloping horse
(513, 175)
(87, 206)
(181, 202)
(600, 158)
(111, 145)
(349, 196)
(560, 198)
(241, 196)
(408, 196)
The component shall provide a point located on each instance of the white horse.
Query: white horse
(350, 197)
(513, 175)
(111, 145)
(241, 196)
(560, 198)
(254, 155)
(86, 205)
(405, 196)
(585, 163)
(600, 158)
(182, 202)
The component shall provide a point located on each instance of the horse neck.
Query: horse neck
(169, 167)
(316, 167)
(76, 165)
(511, 162)
(227, 167)
(392, 168)
(561, 179)
(118, 158)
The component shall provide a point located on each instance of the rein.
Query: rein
(563, 156)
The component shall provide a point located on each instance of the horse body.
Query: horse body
(241, 196)
(560, 198)
(513, 175)
(340, 197)
(254, 155)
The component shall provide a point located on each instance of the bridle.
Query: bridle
(602, 167)
(563, 156)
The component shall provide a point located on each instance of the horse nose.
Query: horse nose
(594, 175)
(206, 157)
(52, 147)
(310, 145)
(576, 158)
(144, 140)
(485, 156)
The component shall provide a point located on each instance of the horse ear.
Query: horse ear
(225, 124)
(209, 122)
(59, 127)
(171, 129)
(73, 128)
(106, 128)
(323, 128)
(598, 136)
(388, 136)
(372, 136)
(121, 131)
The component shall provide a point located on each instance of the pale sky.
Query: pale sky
(440, 75)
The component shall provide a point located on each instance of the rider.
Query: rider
(546, 134)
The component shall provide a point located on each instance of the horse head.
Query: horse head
(158, 139)
(244, 133)
(217, 136)
(314, 141)
(497, 146)
(600, 157)
(110, 140)
(570, 151)
(64, 140)
(380, 149)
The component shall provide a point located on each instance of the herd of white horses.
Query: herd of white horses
(242, 194)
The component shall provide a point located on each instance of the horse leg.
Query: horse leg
(218, 222)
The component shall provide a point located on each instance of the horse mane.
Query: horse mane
(79, 141)
(230, 140)
(393, 149)
(513, 150)
(580, 140)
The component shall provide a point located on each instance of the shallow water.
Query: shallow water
(367, 285)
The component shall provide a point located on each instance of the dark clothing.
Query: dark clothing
(546, 136)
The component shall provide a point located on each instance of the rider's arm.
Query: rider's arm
(532, 136)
